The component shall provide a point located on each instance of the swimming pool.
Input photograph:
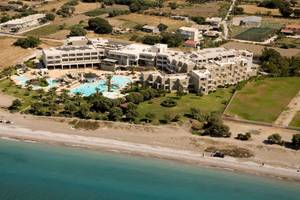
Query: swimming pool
(87, 89)
(22, 80)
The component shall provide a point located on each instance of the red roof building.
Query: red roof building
(291, 29)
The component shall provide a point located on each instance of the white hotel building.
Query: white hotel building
(201, 71)
(16, 25)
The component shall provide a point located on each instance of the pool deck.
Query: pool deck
(75, 83)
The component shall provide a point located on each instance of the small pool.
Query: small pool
(22, 80)
(87, 89)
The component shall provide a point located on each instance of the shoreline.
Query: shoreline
(149, 151)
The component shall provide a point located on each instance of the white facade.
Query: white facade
(16, 25)
(201, 71)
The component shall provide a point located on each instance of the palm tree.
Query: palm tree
(109, 83)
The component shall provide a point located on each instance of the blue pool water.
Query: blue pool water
(22, 80)
(41, 172)
(88, 89)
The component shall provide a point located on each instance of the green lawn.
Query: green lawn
(44, 30)
(264, 100)
(296, 120)
(213, 102)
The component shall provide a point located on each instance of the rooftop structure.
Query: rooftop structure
(150, 29)
(292, 29)
(215, 22)
(189, 33)
(16, 25)
(249, 21)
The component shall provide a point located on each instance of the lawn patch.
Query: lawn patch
(296, 120)
(44, 30)
(213, 102)
(264, 100)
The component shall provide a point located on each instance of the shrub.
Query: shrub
(172, 39)
(243, 137)
(50, 16)
(162, 27)
(15, 106)
(296, 140)
(99, 25)
(29, 42)
(151, 39)
(77, 30)
(274, 139)
(168, 103)
(198, 19)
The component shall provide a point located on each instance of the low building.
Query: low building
(215, 22)
(23, 23)
(170, 82)
(178, 17)
(249, 21)
(150, 29)
(76, 41)
(189, 33)
(291, 29)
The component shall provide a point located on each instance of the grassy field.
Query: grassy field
(256, 34)
(296, 121)
(44, 30)
(208, 9)
(212, 102)
(129, 21)
(10, 54)
(291, 42)
(263, 100)
(253, 9)
(257, 49)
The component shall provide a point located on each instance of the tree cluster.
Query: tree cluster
(67, 9)
(211, 124)
(95, 106)
(29, 42)
(284, 7)
(99, 25)
(77, 30)
(171, 39)
(276, 65)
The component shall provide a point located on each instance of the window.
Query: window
(72, 54)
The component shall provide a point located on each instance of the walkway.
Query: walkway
(287, 115)
(225, 21)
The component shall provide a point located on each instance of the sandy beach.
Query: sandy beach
(164, 142)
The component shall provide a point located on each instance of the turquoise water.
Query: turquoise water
(42, 172)
(88, 89)
(23, 80)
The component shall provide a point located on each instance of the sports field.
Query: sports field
(264, 100)
(256, 34)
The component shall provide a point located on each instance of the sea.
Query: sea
(33, 171)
